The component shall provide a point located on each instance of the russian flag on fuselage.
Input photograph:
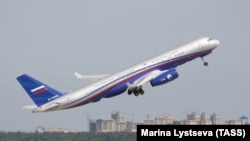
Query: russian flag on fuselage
(39, 90)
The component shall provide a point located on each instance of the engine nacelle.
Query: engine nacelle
(165, 77)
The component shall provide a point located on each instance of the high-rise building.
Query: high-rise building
(118, 117)
(216, 119)
(164, 119)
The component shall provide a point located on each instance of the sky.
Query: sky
(51, 39)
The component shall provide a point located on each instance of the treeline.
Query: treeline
(71, 136)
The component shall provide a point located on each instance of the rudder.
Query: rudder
(39, 92)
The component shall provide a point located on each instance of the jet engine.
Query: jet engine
(164, 78)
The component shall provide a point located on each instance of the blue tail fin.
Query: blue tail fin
(39, 92)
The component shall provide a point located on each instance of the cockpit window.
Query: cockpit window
(209, 39)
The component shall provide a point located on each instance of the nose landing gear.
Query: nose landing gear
(204, 62)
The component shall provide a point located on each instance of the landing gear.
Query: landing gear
(136, 91)
(204, 62)
(141, 91)
(129, 92)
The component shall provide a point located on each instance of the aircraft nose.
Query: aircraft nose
(217, 42)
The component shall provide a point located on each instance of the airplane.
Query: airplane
(157, 71)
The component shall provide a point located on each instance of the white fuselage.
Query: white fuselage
(104, 87)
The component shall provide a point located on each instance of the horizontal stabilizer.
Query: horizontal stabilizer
(51, 107)
(29, 107)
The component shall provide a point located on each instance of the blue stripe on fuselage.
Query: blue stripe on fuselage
(164, 65)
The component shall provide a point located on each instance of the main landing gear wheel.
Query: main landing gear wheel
(136, 91)
(129, 92)
(141, 91)
(136, 94)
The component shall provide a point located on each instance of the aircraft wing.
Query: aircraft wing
(89, 77)
(145, 78)
(155, 77)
